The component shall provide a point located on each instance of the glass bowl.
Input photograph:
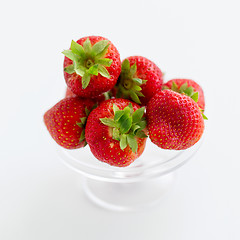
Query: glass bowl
(140, 185)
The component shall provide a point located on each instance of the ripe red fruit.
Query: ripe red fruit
(92, 66)
(187, 86)
(69, 93)
(65, 121)
(139, 80)
(98, 99)
(174, 120)
(116, 132)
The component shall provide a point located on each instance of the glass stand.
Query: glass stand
(128, 196)
(140, 185)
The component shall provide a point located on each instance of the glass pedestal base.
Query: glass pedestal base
(128, 196)
(140, 185)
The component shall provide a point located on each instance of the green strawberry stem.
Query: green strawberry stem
(88, 60)
(129, 86)
(127, 126)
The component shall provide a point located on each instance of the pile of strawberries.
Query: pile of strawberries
(113, 107)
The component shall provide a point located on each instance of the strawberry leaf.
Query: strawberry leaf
(204, 117)
(78, 49)
(138, 114)
(82, 137)
(174, 87)
(87, 111)
(125, 123)
(123, 141)
(137, 80)
(103, 71)
(195, 96)
(116, 134)
(80, 71)
(69, 54)
(189, 91)
(102, 53)
(134, 97)
(131, 108)
(83, 120)
(164, 87)
(140, 94)
(134, 128)
(99, 47)
(137, 88)
(93, 70)
(108, 122)
(132, 142)
(142, 123)
(87, 46)
(127, 110)
(69, 69)
(183, 88)
(79, 124)
(118, 114)
(141, 134)
(126, 65)
(105, 62)
(85, 80)
(133, 69)
(115, 108)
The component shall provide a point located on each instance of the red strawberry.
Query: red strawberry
(69, 93)
(98, 99)
(174, 120)
(139, 80)
(92, 66)
(188, 87)
(116, 132)
(65, 121)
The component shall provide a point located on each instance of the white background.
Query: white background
(39, 197)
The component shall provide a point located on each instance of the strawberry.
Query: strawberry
(139, 80)
(116, 132)
(65, 121)
(188, 87)
(174, 120)
(69, 93)
(98, 99)
(91, 66)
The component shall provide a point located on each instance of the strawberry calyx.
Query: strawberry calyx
(82, 124)
(127, 126)
(184, 89)
(189, 91)
(88, 60)
(129, 85)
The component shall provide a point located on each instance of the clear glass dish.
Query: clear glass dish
(140, 185)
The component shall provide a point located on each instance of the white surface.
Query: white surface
(39, 197)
